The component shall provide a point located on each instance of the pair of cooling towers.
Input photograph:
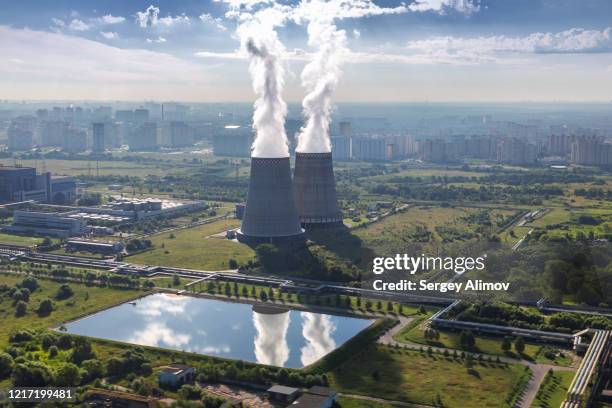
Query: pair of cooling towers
(277, 207)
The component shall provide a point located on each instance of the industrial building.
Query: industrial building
(282, 394)
(315, 190)
(132, 209)
(23, 184)
(47, 224)
(96, 247)
(175, 374)
(19, 184)
(316, 397)
(270, 215)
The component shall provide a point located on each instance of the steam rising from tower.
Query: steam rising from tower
(270, 109)
(270, 214)
(314, 184)
(320, 78)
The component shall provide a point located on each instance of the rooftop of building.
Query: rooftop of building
(4, 167)
(308, 400)
(282, 389)
(175, 368)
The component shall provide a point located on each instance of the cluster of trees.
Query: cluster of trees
(299, 261)
(134, 245)
(20, 296)
(510, 315)
(558, 271)
(191, 392)
(521, 178)
(77, 365)
(87, 277)
(579, 278)
(527, 194)
(594, 193)
(519, 345)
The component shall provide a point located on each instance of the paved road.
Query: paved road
(529, 393)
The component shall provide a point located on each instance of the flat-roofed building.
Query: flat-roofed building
(176, 374)
(47, 224)
(316, 397)
(22, 184)
(282, 393)
(97, 247)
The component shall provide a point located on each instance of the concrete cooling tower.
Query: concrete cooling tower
(315, 190)
(270, 215)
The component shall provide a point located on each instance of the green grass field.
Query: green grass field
(168, 282)
(103, 168)
(86, 299)
(11, 239)
(348, 402)
(194, 248)
(412, 376)
(553, 390)
(425, 225)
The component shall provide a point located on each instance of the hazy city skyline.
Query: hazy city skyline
(426, 50)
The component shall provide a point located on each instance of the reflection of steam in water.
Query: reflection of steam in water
(317, 329)
(271, 340)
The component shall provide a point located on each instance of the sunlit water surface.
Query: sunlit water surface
(233, 330)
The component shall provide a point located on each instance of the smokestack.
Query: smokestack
(315, 190)
(270, 215)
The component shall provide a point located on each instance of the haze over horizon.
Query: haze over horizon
(422, 51)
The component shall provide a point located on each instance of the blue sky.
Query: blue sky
(428, 50)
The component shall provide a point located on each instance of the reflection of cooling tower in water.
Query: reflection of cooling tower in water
(317, 329)
(270, 214)
(315, 190)
(271, 340)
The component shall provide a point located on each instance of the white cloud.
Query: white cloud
(149, 17)
(57, 22)
(296, 54)
(215, 21)
(110, 19)
(572, 41)
(157, 40)
(440, 6)
(170, 21)
(340, 9)
(109, 35)
(78, 25)
(157, 334)
(51, 59)
(356, 34)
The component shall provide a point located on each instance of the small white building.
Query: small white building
(175, 375)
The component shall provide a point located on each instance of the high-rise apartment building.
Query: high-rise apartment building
(144, 137)
(98, 138)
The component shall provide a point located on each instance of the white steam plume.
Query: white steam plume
(317, 329)
(271, 346)
(259, 39)
(320, 78)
